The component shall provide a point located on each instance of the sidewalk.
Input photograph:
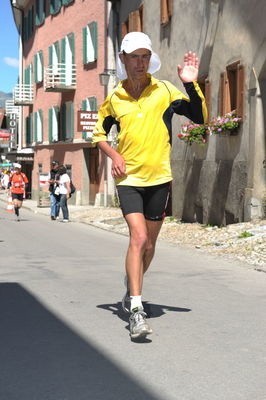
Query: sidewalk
(244, 241)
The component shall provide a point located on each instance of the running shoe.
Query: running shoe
(138, 325)
(126, 298)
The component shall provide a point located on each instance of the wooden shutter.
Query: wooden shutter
(124, 28)
(224, 103)
(166, 11)
(207, 94)
(240, 91)
(134, 21)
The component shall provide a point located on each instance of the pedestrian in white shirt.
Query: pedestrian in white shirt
(64, 191)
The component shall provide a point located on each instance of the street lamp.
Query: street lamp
(105, 76)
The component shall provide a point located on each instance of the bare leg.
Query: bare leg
(154, 228)
(17, 205)
(143, 236)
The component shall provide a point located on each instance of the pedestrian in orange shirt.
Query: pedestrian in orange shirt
(17, 184)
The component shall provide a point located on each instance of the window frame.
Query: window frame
(231, 93)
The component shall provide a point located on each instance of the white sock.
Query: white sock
(136, 303)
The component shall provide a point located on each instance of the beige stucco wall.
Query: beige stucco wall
(223, 182)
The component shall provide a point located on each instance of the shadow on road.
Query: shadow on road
(42, 358)
(152, 310)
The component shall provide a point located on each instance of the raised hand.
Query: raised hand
(189, 71)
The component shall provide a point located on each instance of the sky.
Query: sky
(8, 48)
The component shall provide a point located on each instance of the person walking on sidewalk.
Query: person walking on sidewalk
(142, 108)
(54, 197)
(63, 182)
(18, 182)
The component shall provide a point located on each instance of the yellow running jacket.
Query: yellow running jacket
(144, 127)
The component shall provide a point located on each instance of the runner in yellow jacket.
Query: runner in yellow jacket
(142, 108)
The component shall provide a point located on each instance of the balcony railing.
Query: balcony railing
(23, 94)
(60, 78)
(11, 108)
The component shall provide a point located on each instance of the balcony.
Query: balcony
(11, 108)
(23, 94)
(60, 78)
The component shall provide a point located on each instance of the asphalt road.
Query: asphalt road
(63, 335)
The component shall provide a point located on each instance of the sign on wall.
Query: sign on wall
(87, 121)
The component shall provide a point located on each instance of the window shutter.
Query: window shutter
(53, 124)
(50, 55)
(35, 63)
(50, 125)
(71, 39)
(93, 103)
(225, 105)
(134, 22)
(84, 45)
(63, 50)
(40, 12)
(55, 6)
(166, 7)
(207, 95)
(124, 29)
(71, 120)
(63, 122)
(84, 105)
(27, 75)
(170, 8)
(38, 67)
(67, 2)
(40, 131)
(240, 91)
(90, 43)
(164, 12)
(35, 124)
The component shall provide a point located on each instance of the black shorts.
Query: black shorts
(151, 201)
(17, 196)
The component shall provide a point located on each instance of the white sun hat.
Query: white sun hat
(131, 42)
(17, 165)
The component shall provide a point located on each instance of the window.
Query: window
(89, 104)
(134, 22)
(53, 117)
(38, 67)
(232, 89)
(40, 12)
(38, 126)
(67, 121)
(90, 43)
(166, 11)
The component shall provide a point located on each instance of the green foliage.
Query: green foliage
(245, 234)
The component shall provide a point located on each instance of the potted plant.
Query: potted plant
(227, 124)
(194, 133)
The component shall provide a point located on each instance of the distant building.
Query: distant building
(63, 51)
